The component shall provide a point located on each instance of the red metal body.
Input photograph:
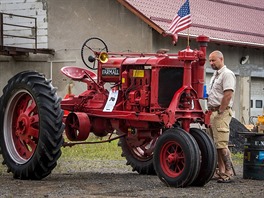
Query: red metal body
(155, 91)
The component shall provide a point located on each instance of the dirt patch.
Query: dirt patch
(115, 179)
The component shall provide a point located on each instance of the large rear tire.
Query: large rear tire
(30, 126)
(208, 155)
(177, 158)
(138, 157)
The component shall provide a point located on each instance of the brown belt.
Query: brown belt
(216, 108)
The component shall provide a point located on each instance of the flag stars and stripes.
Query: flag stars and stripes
(182, 19)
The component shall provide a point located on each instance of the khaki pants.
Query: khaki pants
(219, 130)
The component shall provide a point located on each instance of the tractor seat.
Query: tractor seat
(77, 73)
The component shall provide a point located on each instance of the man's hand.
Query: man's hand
(225, 101)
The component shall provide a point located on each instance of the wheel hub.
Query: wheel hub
(22, 124)
(172, 158)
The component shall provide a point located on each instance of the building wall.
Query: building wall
(9, 66)
(66, 24)
(257, 97)
(72, 22)
(29, 8)
(69, 24)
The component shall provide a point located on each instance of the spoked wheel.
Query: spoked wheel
(90, 51)
(139, 154)
(208, 155)
(177, 158)
(31, 126)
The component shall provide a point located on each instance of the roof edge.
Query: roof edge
(212, 39)
(239, 43)
(141, 16)
(229, 42)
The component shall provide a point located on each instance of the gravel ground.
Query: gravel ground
(115, 179)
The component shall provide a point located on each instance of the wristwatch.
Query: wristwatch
(219, 112)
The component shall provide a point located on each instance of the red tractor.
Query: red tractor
(150, 101)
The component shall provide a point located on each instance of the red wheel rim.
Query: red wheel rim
(172, 159)
(21, 126)
(144, 150)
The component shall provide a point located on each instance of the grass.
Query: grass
(237, 158)
(89, 155)
(109, 151)
(84, 157)
(101, 151)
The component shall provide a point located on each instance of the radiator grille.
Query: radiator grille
(170, 80)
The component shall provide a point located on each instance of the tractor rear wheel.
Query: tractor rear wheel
(177, 158)
(139, 157)
(208, 155)
(30, 126)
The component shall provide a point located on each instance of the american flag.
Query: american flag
(182, 19)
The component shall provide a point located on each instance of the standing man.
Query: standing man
(220, 101)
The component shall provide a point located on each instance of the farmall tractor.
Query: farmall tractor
(151, 104)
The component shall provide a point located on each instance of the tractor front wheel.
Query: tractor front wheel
(177, 158)
(208, 156)
(30, 126)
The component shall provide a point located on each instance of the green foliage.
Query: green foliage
(237, 158)
(98, 156)
(98, 151)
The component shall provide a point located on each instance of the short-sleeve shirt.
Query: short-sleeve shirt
(222, 80)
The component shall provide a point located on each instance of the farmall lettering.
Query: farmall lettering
(148, 101)
(110, 71)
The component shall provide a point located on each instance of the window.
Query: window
(258, 103)
(251, 103)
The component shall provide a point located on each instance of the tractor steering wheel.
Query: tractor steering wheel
(91, 49)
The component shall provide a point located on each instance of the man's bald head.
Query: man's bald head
(216, 59)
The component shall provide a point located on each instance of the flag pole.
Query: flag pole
(188, 38)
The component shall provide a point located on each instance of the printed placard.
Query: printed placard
(111, 101)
